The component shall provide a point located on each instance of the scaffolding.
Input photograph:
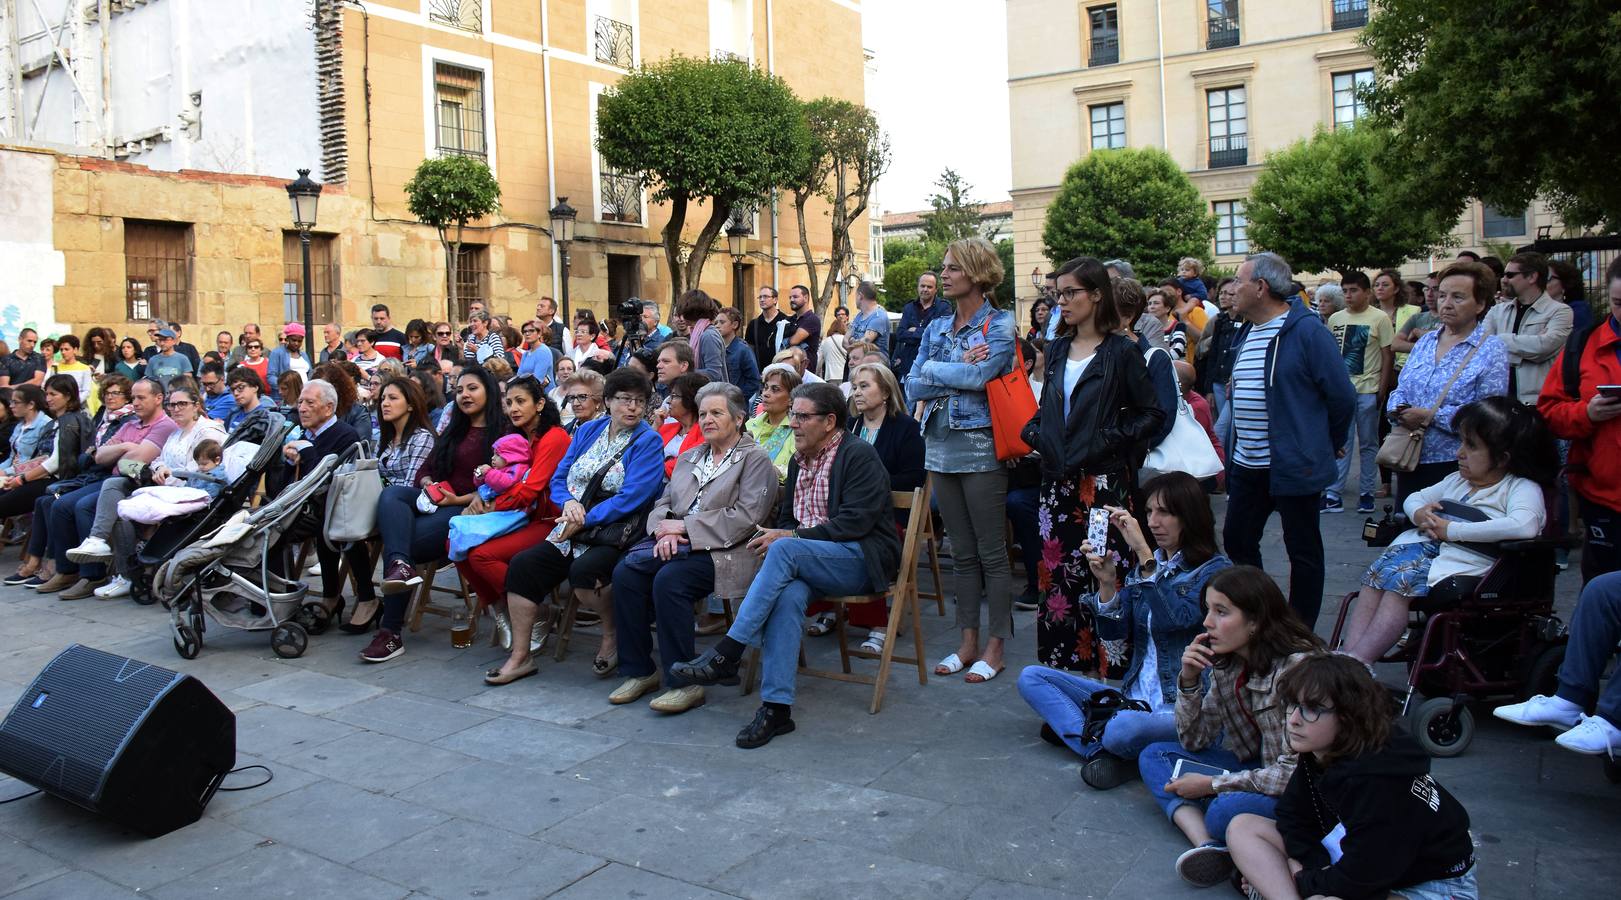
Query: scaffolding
(40, 49)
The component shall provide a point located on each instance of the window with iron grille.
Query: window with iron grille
(323, 276)
(614, 42)
(459, 110)
(621, 197)
(472, 278)
(1222, 20)
(464, 14)
(1228, 113)
(1350, 14)
(157, 271)
(1108, 126)
(1499, 223)
(1348, 102)
(1232, 228)
(1104, 24)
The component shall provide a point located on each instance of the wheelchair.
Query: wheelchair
(1491, 638)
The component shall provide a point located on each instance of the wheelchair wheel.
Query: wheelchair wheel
(1542, 675)
(289, 640)
(1438, 730)
(314, 617)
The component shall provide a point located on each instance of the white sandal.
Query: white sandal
(820, 625)
(983, 671)
(874, 642)
(951, 665)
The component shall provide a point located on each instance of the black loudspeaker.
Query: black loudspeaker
(141, 745)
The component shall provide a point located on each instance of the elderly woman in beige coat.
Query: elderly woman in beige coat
(718, 495)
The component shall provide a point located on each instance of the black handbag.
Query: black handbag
(1101, 707)
(621, 533)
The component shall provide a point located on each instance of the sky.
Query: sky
(940, 58)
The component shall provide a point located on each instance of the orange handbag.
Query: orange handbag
(1013, 404)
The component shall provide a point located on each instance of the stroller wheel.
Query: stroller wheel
(289, 640)
(1439, 730)
(187, 643)
(314, 617)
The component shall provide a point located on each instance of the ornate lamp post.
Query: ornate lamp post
(736, 236)
(305, 195)
(562, 235)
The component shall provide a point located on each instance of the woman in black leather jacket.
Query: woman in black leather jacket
(1097, 413)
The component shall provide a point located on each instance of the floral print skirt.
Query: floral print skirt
(1065, 637)
(1404, 568)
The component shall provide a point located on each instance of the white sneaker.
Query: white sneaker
(1594, 737)
(314, 569)
(1555, 712)
(112, 590)
(90, 550)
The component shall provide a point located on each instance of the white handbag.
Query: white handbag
(1186, 449)
(351, 501)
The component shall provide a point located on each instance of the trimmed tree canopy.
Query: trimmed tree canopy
(1502, 100)
(1325, 204)
(1131, 204)
(452, 191)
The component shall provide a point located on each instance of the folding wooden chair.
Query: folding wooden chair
(422, 598)
(931, 544)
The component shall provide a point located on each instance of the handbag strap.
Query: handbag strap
(589, 497)
(1461, 366)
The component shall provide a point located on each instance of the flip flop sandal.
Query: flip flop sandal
(951, 665)
(494, 676)
(981, 672)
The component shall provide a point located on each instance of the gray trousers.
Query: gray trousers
(119, 533)
(974, 508)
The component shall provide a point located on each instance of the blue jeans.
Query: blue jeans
(1365, 435)
(1224, 415)
(772, 616)
(1595, 628)
(70, 521)
(1057, 696)
(1156, 762)
(408, 534)
(668, 593)
(1021, 512)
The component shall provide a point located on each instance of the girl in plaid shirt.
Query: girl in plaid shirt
(1229, 719)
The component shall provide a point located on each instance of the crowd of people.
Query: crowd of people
(718, 475)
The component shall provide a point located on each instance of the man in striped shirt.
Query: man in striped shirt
(1291, 406)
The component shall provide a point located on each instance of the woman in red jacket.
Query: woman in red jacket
(485, 569)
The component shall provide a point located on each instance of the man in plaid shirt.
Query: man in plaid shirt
(835, 537)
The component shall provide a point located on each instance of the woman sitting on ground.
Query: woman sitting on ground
(680, 432)
(612, 473)
(1158, 608)
(720, 493)
(1228, 719)
(1390, 829)
(770, 428)
(1506, 461)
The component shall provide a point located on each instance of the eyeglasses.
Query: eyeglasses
(1307, 712)
(627, 400)
(577, 398)
(525, 331)
(1512, 273)
(176, 404)
(1068, 294)
(441, 334)
(256, 346)
(800, 417)
(115, 392)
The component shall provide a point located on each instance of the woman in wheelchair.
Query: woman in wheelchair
(1505, 462)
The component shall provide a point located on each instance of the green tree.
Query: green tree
(1131, 204)
(954, 214)
(900, 280)
(1324, 203)
(702, 131)
(452, 190)
(1502, 100)
(1004, 291)
(848, 153)
(897, 249)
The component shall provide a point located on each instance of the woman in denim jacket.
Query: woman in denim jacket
(1159, 608)
(956, 358)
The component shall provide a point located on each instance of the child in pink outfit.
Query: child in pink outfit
(507, 467)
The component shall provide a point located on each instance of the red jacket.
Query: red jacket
(1594, 468)
(546, 454)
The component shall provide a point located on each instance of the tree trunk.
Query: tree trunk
(719, 214)
(452, 250)
(672, 240)
(800, 199)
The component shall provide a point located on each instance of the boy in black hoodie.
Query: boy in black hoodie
(1361, 817)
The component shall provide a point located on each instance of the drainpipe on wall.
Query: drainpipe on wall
(1159, 35)
(551, 154)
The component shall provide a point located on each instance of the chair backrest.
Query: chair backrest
(916, 502)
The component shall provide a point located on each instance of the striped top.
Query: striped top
(1252, 444)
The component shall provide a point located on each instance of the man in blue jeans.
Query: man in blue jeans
(1595, 629)
(835, 537)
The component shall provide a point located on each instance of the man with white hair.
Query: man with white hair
(1292, 405)
(324, 434)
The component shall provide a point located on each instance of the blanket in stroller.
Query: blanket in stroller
(151, 505)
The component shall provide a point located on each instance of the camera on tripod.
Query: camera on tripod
(630, 320)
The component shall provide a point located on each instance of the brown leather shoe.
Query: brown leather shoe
(58, 583)
(84, 588)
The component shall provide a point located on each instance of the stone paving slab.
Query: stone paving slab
(415, 779)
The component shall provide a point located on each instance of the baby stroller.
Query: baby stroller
(225, 575)
(1489, 637)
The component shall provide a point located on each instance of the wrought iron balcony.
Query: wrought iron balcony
(467, 15)
(614, 43)
(1227, 152)
(621, 198)
(1350, 14)
(1105, 50)
(1223, 32)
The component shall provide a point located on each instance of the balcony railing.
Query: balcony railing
(1227, 152)
(1350, 14)
(1105, 50)
(730, 56)
(614, 43)
(621, 198)
(464, 14)
(1223, 32)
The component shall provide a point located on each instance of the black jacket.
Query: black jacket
(338, 437)
(1113, 413)
(900, 446)
(1401, 827)
(858, 508)
(74, 436)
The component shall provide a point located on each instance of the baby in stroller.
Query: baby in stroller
(507, 467)
(208, 477)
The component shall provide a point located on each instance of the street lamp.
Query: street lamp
(736, 237)
(305, 195)
(562, 235)
(852, 280)
(1036, 279)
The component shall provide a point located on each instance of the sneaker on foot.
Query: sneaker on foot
(400, 577)
(1364, 503)
(90, 550)
(383, 647)
(1331, 504)
(1206, 865)
(18, 578)
(112, 590)
(1556, 712)
(1106, 771)
(1594, 736)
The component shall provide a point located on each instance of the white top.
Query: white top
(1253, 445)
(178, 449)
(1516, 510)
(1073, 370)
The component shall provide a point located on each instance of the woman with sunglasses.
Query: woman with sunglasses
(535, 355)
(257, 362)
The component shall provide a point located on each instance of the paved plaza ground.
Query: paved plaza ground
(414, 779)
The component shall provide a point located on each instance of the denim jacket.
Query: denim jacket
(940, 375)
(1174, 600)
